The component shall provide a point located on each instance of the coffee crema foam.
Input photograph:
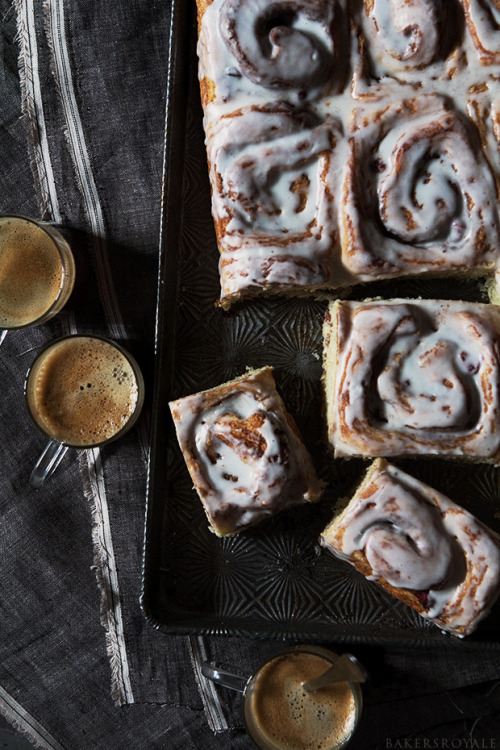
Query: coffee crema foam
(30, 272)
(84, 391)
(293, 719)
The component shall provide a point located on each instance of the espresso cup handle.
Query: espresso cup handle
(48, 462)
(224, 677)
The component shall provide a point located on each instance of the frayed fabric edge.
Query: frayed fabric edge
(36, 138)
(25, 724)
(103, 565)
(211, 702)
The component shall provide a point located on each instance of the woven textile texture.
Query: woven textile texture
(82, 113)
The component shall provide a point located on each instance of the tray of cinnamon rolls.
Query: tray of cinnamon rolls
(325, 444)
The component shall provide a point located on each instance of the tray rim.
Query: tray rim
(181, 21)
(175, 62)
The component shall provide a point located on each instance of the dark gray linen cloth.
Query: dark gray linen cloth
(82, 106)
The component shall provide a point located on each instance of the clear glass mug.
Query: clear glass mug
(278, 712)
(37, 272)
(81, 391)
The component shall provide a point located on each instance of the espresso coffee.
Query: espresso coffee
(36, 271)
(281, 714)
(83, 390)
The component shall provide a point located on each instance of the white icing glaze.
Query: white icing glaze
(280, 43)
(270, 169)
(418, 377)
(245, 459)
(454, 76)
(417, 539)
(236, 467)
(404, 34)
(483, 18)
(431, 204)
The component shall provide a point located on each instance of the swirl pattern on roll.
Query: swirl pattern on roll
(418, 194)
(420, 546)
(244, 452)
(404, 35)
(271, 169)
(483, 21)
(416, 377)
(281, 43)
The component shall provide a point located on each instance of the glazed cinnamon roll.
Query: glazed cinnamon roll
(483, 22)
(272, 199)
(413, 377)
(280, 43)
(418, 195)
(258, 47)
(244, 452)
(420, 547)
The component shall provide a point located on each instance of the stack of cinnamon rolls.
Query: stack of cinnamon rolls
(349, 143)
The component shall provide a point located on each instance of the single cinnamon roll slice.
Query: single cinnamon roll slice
(263, 48)
(281, 43)
(413, 378)
(272, 174)
(420, 547)
(244, 452)
(418, 196)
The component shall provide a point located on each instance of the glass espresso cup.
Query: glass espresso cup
(279, 713)
(82, 392)
(37, 272)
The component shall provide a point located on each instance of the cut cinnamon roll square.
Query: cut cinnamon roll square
(244, 452)
(272, 171)
(418, 195)
(413, 378)
(420, 547)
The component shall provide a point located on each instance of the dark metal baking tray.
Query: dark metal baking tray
(272, 580)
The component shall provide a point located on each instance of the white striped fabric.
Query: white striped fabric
(26, 724)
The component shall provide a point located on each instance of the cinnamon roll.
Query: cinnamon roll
(413, 377)
(420, 547)
(272, 199)
(418, 196)
(259, 48)
(244, 452)
(483, 21)
(280, 43)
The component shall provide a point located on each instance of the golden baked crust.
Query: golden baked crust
(244, 452)
(419, 546)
